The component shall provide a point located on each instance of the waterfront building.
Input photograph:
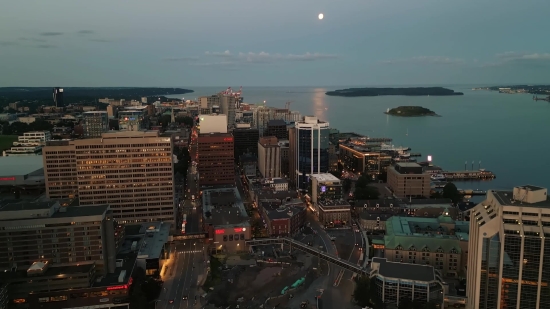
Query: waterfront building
(409, 180)
(130, 171)
(509, 260)
(95, 123)
(308, 150)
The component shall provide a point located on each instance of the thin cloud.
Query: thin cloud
(179, 59)
(45, 46)
(86, 32)
(8, 43)
(520, 58)
(51, 33)
(262, 57)
(103, 40)
(33, 39)
(426, 60)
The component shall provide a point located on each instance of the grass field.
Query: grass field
(6, 141)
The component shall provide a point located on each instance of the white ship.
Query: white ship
(438, 177)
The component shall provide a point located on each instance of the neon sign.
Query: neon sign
(240, 229)
(7, 178)
(228, 139)
(219, 232)
(121, 287)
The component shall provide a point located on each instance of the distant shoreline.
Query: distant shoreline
(411, 91)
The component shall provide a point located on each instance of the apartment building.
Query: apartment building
(46, 231)
(269, 157)
(131, 171)
(409, 180)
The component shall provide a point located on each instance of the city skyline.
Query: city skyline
(199, 44)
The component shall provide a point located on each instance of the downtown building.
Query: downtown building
(269, 157)
(509, 254)
(130, 171)
(216, 164)
(246, 140)
(308, 150)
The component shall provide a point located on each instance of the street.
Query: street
(182, 275)
(191, 208)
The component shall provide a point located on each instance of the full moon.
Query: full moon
(321, 16)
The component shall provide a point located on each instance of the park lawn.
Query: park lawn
(6, 141)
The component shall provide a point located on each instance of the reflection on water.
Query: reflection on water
(320, 106)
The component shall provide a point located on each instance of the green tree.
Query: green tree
(346, 184)
(185, 120)
(451, 192)
(366, 193)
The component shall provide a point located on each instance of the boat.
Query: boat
(438, 177)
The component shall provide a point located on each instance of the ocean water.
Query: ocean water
(508, 133)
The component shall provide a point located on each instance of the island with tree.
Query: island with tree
(411, 91)
(410, 111)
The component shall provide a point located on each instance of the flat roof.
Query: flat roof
(325, 177)
(16, 205)
(155, 236)
(506, 198)
(408, 164)
(52, 271)
(223, 206)
(20, 165)
(415, 272)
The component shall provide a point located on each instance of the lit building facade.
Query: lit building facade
(216, 164)
(95, 123)
(130, 171)
(269, 157)
(309, 150)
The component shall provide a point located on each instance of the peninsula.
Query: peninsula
(413, 91)
(410, 111)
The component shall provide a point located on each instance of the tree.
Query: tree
(366, 193)
(165, 120)
(405, 303)
(451, 192)
(346, 184)
(185, 120)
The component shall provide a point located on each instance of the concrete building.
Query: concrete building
(285, 157)
(360, 156)
(276, 184)
(409, 180)
(308, 151)
(277, 128)
(214, 123)
(334, 213)
(216, 164)
(132, 119)
(441, 242)
(395, 281)
(46, 231)
(225, 220)
(269, 157)
(95, 123)
(249, 164)
(130, 171)
(509, 254)
(246, 141)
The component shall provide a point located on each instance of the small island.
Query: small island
(410, 111)
(412, 91)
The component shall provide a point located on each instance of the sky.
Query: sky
(165, 43)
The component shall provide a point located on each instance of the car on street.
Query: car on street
(185, 297)
(171, 301)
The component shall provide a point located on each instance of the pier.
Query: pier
(469, 175)
(441, 184)
(415, 154)
(547, 99)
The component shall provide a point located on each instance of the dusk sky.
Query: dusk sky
(188, 43)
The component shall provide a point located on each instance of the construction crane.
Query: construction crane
(287, 105)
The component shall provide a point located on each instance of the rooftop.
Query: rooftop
(283, 211)
(408, 164)
(506, 198)
(325, 177)
(415, 272)
(51, 271)
(334, 204)
(20, 165)
(151, 237)
(276, 122)
(223, 207)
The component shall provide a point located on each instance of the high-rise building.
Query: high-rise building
(246, 141)
(269, 157)
(277, 128)
(216, 164)
(58, 97)
(509, 252)
(308, 151)
(46, 231)
(130, 171)
(95, 123)
(227, 106)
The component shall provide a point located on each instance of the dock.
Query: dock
(547, 99)
(471, 192)
(415, 154)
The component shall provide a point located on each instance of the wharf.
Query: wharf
(415, 154)
(535, 98)
(469, 175)
(441, 184)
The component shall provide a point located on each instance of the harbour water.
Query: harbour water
(508, 133)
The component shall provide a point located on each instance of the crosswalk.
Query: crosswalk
(191, 251)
